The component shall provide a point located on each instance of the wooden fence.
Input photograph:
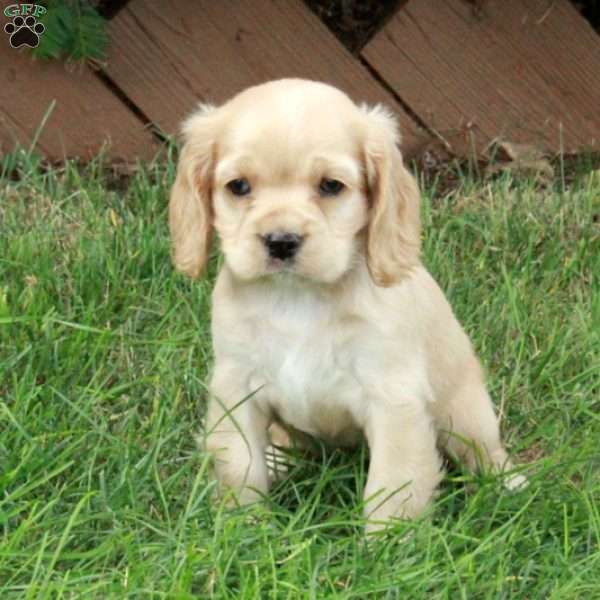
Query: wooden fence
(458, 73)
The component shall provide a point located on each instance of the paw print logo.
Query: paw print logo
(24, 32)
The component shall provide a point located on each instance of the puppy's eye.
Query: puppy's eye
(330, 187)
(239, 187)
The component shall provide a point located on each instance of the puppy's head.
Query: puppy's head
(294, 177)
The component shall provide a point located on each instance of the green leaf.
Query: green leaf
(74, 30)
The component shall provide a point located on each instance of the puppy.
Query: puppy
(324, 321)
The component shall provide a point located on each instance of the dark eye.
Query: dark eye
(330, 187)
(239, 187)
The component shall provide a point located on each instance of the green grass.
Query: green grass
(104, 355)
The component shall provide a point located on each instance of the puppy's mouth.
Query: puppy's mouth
(276, 265)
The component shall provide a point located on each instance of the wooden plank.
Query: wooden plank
(523, 70)
(167, 55)
(86, 114)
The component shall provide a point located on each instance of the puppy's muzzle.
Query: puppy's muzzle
(282, 245)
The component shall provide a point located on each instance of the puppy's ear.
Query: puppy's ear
(394, 230)
(190, 211)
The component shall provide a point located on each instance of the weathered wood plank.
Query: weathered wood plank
(86, 114)
(524, 70)
(167, 55)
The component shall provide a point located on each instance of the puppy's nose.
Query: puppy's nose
(282, 245)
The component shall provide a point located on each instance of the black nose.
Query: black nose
(282, 245)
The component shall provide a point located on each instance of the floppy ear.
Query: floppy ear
(394, 230)
(190, 211)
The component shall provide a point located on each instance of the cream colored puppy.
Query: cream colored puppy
(324, 320)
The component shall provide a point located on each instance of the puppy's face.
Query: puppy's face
(289, 190)
(292, 176)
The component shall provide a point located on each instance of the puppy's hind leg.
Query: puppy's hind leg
(277, 461)
(469, 429)
(282, 452)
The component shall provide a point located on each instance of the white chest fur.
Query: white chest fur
(302, 359)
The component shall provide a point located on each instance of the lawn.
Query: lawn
(104, 355)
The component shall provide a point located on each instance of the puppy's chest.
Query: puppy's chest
(306, 366)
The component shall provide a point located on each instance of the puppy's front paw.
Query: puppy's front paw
(405, 504)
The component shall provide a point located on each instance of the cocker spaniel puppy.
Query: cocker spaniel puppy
(324, 321)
